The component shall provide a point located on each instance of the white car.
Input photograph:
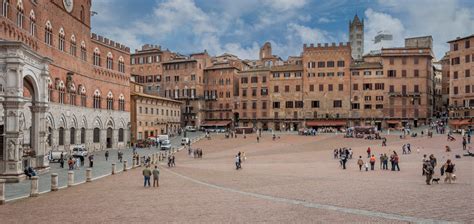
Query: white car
(185, 141)
(79, 152)
(55, 156)
(190, 128)
(166, 145)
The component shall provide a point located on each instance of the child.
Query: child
(366, 166)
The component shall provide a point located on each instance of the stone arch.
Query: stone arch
(32, 15)
(97, 123)
(122, 123)
(83, 122)
(73, 38)
(62, 122)
(96, 50)
(31, 83)
(48, 25)
(61, 32)
(83, 44)
(73, 122)
(109, 55)
(110, 123)
(50, 120)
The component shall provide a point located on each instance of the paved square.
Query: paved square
(292, 179)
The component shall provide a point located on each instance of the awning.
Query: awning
(392, 122)
(459, 122)
(215, 123)
(326, 123)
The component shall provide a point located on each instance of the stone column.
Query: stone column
(38, 140)
(113, 168)
(88, 175)
(134, 161)
(34, 186)
(70, 178)
(13, 138)
(54, 182)
(2, 191)
(125, 165)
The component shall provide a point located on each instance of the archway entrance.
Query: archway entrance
(109, 137)
(25, 83)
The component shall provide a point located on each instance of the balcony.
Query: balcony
(404, 94)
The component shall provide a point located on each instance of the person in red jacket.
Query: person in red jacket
(368, 152)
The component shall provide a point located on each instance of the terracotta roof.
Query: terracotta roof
(461, 38)
(179, 61)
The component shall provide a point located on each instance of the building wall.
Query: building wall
(461, 94)
(84, 77)
(218, 93)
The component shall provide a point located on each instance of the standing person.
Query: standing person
(61, 160)
(409, 148)
(385, 162)
(91, 161)
(428, 169)
(464, 143)
(70, 163)
(372, 162)
(106, 155)
(78, 161)
(258, 139)
(384, 142)
(173, 160)
(343, 160)
(368, 152)
(395, 161)
(156, 177)
(146, 175)
(335, 153)
(237, 162)
(350, 153)
(469, 138)
(381, 161)
(404, 151)
(433, 162)
(360, 162)
(423, 161)
(449, 170)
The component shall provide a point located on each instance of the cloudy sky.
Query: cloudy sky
(241, 26)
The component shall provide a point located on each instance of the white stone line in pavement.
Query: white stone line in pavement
(315, 205)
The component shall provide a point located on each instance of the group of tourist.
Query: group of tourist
(343, 154)
(429, 165)
(195, 153)
(171, 160)
(147, 173)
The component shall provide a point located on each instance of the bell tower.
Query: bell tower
(356, 37)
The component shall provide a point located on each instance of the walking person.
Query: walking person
(464, 143)
(449, 171)
(61, 160)
(146, 175)
(360, 162)
(156, 177)
(258, 139)
(343, 160)
(237, 162)
(368, 152)
(91, 161)
(428, 169)
(372, 162)
(106, 155)
(119, 155)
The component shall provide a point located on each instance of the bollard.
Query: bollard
(134, 161)
(34, 186)
(70, 178)
(125, 165)
(113, 168)
(2, 191)
(88, 175)
(54, 182)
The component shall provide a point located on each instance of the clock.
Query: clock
(68, 5)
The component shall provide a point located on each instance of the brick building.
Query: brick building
(88, 79)
(152, 115)
(461, 83)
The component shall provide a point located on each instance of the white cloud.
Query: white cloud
(284, 5)
(325, 20)
(376, 22)
(309, 35)
(443, 19)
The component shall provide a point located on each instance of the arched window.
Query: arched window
(50, 90)
(110, 61)
(82, 16)
(120, 135)
(82, 92)
(121, 102)
(72, 95)
(48, 33)
(121, 65)
(61, 92)
(72, 136)
(32, 23)
(96, 103)
(96, 138)
(61, 136)
(83, 51)
(72, 48)
(110, 101)
(61, 39)
(96, 57)
(6, 8)
(19, 14)
(83, 135)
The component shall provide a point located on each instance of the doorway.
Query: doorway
(109, 137)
